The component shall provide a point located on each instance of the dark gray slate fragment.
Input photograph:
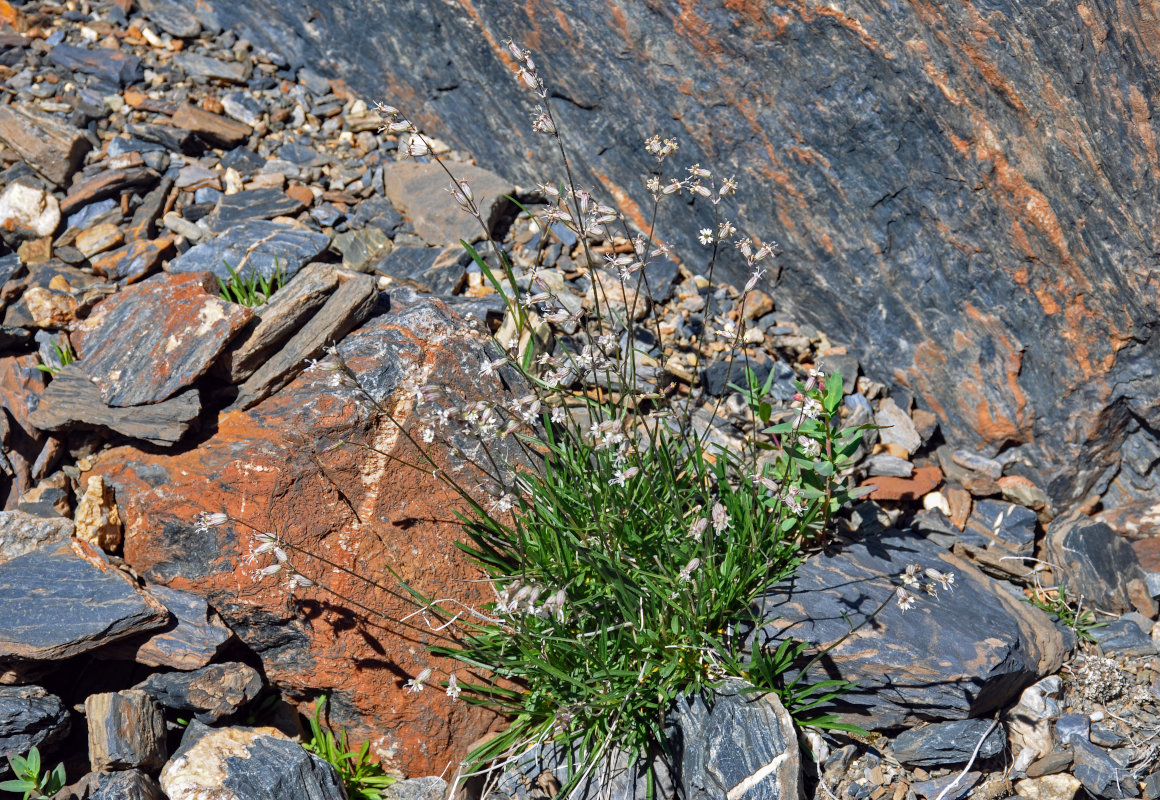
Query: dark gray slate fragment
(1010, 526)
(268, 768)
(110, 66)
(961, 654)
(1100, 774)
(1093, 561)
(546, 766)
(343, 311)
(152, 340)
(30, 717)
(1123, 638)
(251, 204)
(212, 692)
(66, 600)
(1071, 728)
(938, 787)
(286, 312)
(431, 787)
(125, 785)
(73, 401)
(1152, 786)
(947, 743)
(743, 746)
(206, 67)
(22, 532)
(193, 637)
(439, 270)
(257, 246)
(172, 16)
(126, 731)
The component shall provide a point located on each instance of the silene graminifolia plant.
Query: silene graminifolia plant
(625, 552)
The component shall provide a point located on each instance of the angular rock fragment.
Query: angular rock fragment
(419, 191)
(97, 519)
(251, 204)
(1092, 561)
(961, 654)
(285, 312)
(206, 67)
(255, 247)
(439, 270)
(52, 148)
(152, 340)
(110, 66)
(897, 427)
(194, 636)
(27, 212)
(172, 17)
(107, 183)
(126, 731)
(65, 600)
(99, 238)
(344, 310)
(212, 128)
(1123, 637)
(946, 743)
(30, 717)
(1003, 525)
(73, 401)
(254, 764)
(211, 693)
(127, 784)
(134, 261)
(21, 533)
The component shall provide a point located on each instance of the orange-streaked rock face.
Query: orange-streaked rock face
(966, 193)
(276, 467)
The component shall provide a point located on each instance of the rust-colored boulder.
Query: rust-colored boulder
(276, 467)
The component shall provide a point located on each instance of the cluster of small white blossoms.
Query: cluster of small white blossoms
(921, 579)
(419, 683)
(523, 599)
(263, 545)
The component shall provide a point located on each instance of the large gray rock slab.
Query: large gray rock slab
(738, 745)
(924, 214)
(30, 717)
(194, 635)
(1094, 562)
(419, 191)
(151, 341)
(67, 600)
(247, 765)
(961, 654)
(50, 146)
(254, 247)
(948, 743)
(72, 401)
(251, 204)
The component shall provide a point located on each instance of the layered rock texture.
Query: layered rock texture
(967, 192)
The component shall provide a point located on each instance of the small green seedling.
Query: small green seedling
(363, 778)
(64, 356)
(28, 778)
(253, 290)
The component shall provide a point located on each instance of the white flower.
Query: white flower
(206, 520)
(721, 518)
(416, 684)
(811, 448)
(706, 236)
(453, 686)
(697, 529)
(417, 146)
(622, 475)
(946, 579)
(559, 414)
(687, 571)
(298, 581)
(905, 599)
(428, 435)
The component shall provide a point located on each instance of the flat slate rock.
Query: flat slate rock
(22, 533)
(961, 654)
(107, 183)
(62, 601)
(194, 636)
(251, 204)
(1123, 638)
(248, 764)
(73, 401)
(207, 67)
(214, 129)
(50, 146)
(438, 270)
(347, 308)
(30, 717)
(172, 16)
(278, 319)
(126, 731)
(128, 784)
(110, 66)
(151, 341)
(419, 191)
(947, 743)
(255, 247)
(211, 693)
(1007, 525)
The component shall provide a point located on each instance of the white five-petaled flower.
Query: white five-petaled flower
(298, 581)
(453, 686)
(905, 599)
(811, 448)
(687, 571)
(622, 475)
(705, 236)
(207, 520)
(946, 579)
(416, 684)
(559, 414)
(697, 529)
